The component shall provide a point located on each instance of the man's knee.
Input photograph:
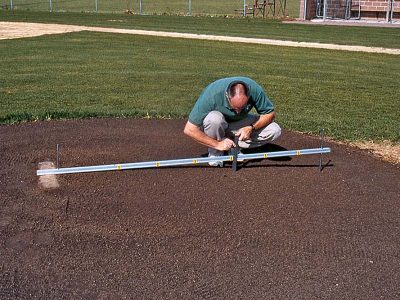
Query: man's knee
(214, 119)
(276, 131)
(271, 132)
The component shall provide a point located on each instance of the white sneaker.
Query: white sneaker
(215, 163)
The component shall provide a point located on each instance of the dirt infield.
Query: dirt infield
(9, 30)
(275, 229)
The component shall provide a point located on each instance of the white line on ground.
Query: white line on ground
(19, 29)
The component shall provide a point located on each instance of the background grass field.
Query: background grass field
(354, 96)
(245, 27)
(171, 7)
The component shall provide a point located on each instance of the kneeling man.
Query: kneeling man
(222, 111)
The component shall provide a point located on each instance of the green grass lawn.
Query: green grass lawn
(354, 96)
(177, 7)
(246, 27)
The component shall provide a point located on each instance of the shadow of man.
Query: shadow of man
(269, 147)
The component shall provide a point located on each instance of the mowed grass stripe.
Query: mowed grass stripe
(353, 96)
(243, 27)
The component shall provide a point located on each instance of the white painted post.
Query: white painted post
(389, 12)
(392, 11)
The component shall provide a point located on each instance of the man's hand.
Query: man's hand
(198, 135)
(225, 145)
(244, 133)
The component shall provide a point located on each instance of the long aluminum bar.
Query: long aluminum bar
(179, 162)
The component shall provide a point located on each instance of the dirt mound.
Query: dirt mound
(273, 229)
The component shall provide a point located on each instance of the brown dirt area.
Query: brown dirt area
(275, 229)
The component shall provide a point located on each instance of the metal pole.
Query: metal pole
(388, 11)
(322, 145)
(11, 5)
(140, 7)
(347, 11)
(58, 157)
(235, 151)
(179, 162)
(51, 5)
(244, 8)
(97, 5)
(391, 12)
(190, 7)
(325, 5)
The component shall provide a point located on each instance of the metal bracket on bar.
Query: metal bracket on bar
(235, 152)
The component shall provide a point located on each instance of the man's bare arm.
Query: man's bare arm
(264, 120)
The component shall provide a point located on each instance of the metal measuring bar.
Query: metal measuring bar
(179, 162)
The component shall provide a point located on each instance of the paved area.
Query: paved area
(352, 22)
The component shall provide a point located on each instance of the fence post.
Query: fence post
(51, 5)
(11, 5)
(140, 7)
(190, 7)
(389, 11)
(244, 8)
(97, 5)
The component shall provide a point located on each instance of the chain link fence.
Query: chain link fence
(139, 7)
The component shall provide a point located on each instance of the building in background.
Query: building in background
(388, 10)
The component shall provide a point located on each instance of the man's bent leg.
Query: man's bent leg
(258, 138)
(262, 136)
(214, 125)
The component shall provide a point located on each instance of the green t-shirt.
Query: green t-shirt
(214, 98)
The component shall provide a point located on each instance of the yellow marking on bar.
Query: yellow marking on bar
(231, 158)
(158, 164)
(119, 168)
(265, 155)
(298, 152)
(195, 161)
